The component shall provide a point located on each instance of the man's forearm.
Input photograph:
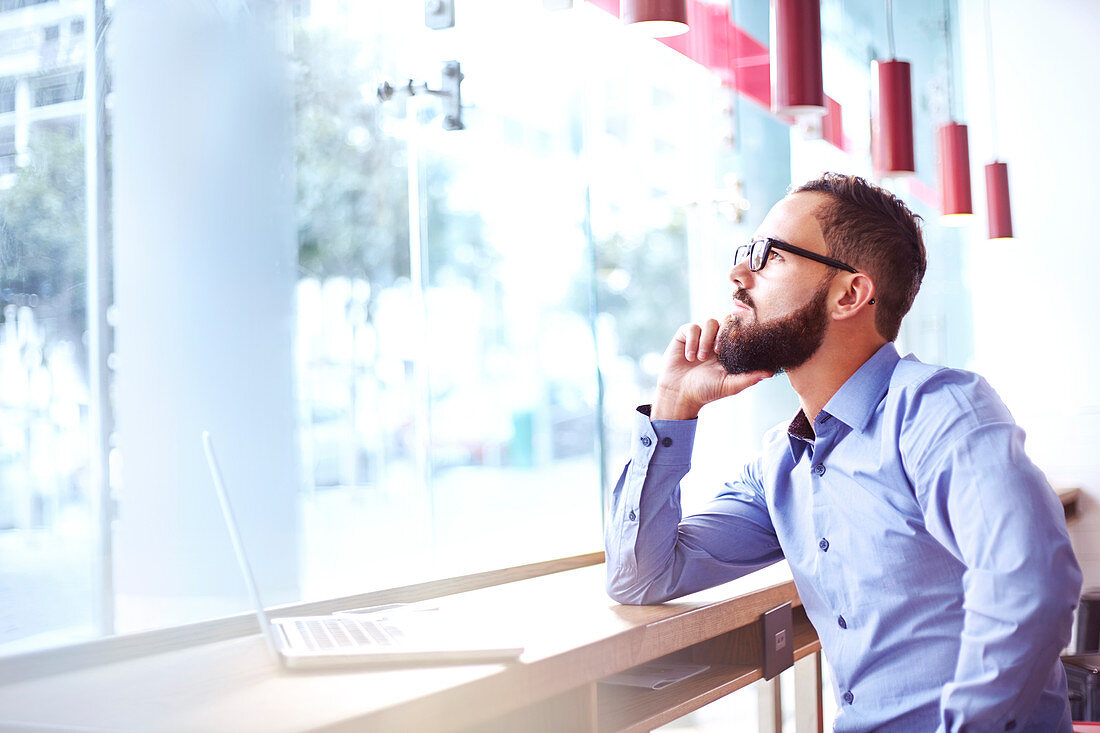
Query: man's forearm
(641, 533)
(1009, 650)
(652, 553)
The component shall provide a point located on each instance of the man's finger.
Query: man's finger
(707, 339)
(691, 333)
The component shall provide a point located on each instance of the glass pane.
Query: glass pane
(48, 541)
(355, 387)
(461, 385)
(509, 349)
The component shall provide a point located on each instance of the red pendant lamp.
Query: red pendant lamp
(892, 129)
(655, 18)
(954, 149)
(797, 88)
(954, 155)
(998, 206)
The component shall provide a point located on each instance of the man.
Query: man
(930, 554)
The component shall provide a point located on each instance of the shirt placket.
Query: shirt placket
(829, 561)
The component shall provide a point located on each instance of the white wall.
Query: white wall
(1036, 298)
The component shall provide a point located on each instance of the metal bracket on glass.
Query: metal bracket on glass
(439, 14)
(450, 92)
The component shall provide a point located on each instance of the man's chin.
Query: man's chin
(778, 345)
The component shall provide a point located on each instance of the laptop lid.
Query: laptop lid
(238, 546)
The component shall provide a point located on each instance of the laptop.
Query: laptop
(385, 635)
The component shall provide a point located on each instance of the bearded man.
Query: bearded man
(929, 553)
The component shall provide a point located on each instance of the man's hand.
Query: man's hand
(692, 375)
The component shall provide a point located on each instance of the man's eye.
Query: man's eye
(774, 255)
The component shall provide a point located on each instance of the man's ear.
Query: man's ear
(858, 293)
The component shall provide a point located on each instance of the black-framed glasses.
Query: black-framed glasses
(758, 250)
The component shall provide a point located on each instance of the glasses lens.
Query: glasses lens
(759, 247)
(740, 254)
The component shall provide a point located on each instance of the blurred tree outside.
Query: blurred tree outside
(642, 282)
(42, 235)
(352, 195)
(353, 207)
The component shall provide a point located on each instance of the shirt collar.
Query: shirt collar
(800, 434)
(855, 401)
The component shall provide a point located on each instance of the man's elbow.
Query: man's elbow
(632, 592)
(636, 595)
(1055, 595)
(1063, 583)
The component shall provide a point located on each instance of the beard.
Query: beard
(775, 346)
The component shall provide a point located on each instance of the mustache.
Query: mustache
(743, 295)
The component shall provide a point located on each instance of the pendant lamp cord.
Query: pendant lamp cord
(890, 27)
(950, 60)
(992, 88)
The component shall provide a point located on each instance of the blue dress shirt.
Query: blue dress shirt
(930, 554)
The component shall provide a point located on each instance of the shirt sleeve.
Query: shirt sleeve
(988, 504)
(653, 553)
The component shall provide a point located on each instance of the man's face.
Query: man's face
(780, 313)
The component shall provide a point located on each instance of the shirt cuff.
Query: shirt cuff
(662, 442)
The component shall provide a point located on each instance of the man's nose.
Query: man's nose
(741, 275)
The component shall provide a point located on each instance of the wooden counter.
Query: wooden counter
(218, 676)
(574, 636)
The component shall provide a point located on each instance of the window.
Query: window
(7, 94)
(46, 539)
(7, 150)
(422, 373)
(58, 87)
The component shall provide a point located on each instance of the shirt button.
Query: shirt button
(666, 442)
(1010, 725)
(646, 441)
(824, 545)
(841, 622)
(819, 469)
(848, 697)
(632, 515)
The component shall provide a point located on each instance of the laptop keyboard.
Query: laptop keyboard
(346, 633)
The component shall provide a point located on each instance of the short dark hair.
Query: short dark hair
(873, 230)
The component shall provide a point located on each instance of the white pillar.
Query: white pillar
(205, 264)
